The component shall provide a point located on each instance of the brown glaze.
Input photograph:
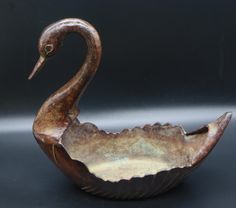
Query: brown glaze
(134, 163)
(59, 109)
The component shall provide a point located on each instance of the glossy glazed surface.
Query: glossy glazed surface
(135, 163)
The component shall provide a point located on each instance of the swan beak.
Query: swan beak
(38, 66)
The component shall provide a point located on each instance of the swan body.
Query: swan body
(134, 163)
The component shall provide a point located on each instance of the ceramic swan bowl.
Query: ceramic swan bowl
(134, 163)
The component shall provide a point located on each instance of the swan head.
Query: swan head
(49, 43)
(50, 40)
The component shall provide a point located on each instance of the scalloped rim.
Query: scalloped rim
(215, 130)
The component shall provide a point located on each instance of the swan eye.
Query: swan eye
(48, 48)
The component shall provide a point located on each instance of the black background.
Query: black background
(174, 60)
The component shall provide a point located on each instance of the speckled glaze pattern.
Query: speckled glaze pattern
(134, 163)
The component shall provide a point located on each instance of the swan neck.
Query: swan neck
(73, 89)
(60, 109)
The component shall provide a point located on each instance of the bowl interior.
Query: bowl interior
(133, 152)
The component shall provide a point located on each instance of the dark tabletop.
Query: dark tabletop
(29, 179)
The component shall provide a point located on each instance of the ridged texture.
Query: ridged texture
(147, 186)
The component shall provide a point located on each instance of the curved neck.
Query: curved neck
(59, 109)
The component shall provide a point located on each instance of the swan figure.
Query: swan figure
(134, 163)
